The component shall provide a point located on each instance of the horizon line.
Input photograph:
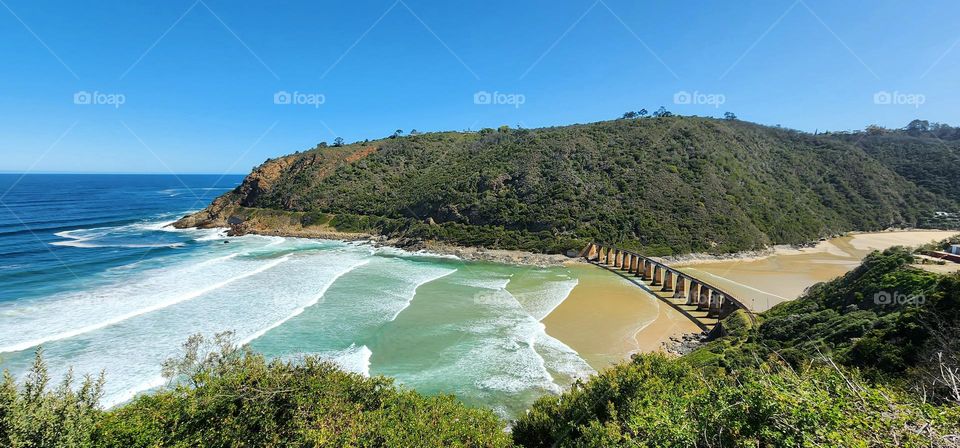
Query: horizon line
(117, 173)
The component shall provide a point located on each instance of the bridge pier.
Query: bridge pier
(647, 270)
(680, 291)
(627, 259)
(667, 281)
(693, 296)
(656, 275)
(704, 302)
(633, 266)
(716, 302)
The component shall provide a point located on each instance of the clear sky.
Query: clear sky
(189, 85)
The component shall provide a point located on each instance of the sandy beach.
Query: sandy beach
(606, 318)
(763, 281)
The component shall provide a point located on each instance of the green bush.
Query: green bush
(658, 402)
(226, 397)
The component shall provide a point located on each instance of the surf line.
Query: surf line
(296, 312)
(414, 294)
(159, 306)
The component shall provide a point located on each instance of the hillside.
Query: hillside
(662, 185)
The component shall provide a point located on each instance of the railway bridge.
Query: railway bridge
(700, 301)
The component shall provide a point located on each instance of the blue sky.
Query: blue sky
(197, 79)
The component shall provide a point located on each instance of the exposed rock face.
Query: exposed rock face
(685, 344)
(222, 211)
(215, 215)
(261, 180)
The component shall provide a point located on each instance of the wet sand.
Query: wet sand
(606, 318)
(762, 282)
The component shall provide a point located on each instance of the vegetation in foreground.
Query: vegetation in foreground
(838, 367)
(229, 397)
(841, 366)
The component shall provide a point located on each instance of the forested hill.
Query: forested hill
(662, 185)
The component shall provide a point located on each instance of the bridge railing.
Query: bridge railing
(736, 302)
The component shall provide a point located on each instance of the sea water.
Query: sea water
(91, 271)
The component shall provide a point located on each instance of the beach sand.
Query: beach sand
(762, 282)
(606, 318)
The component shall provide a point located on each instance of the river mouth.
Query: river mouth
(762, 283)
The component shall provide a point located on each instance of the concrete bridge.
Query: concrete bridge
(700, 301)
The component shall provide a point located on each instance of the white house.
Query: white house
(954, 249)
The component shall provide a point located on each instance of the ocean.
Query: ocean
(91, 271)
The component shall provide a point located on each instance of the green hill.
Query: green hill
(661, 185)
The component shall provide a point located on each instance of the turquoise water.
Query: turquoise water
(100, 281)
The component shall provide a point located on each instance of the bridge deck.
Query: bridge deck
(702, 303)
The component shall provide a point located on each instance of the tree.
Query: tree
(414, 132)
(397, 133)
(729, 116)
(662, 112)
(322, 145)
(338, 142)
(875, 130)
(916, 127)
(629, 115)
(643, 113)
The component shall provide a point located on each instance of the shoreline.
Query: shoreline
(467, 253)
(606, 319)
(820, 246)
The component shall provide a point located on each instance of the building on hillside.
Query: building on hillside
(954, 249)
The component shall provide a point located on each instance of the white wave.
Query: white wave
(88, 238)
(126, 395)
(296, 312)
(138, 312)
(396, 251)
(427, 278)
(518, 354)
(133, 351)
(541, 302)
(353, 359)
(217, 234)
(486, 282)
(85, 245)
